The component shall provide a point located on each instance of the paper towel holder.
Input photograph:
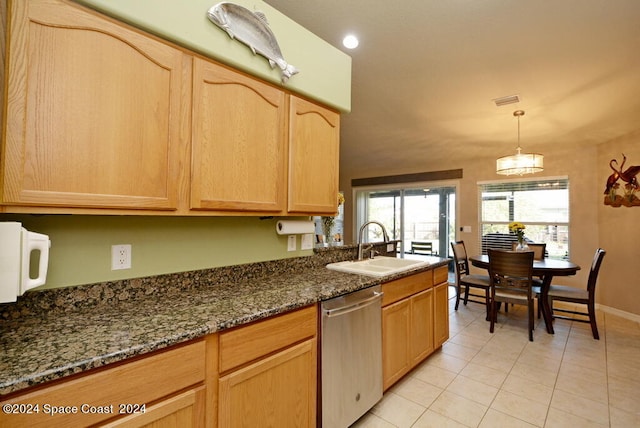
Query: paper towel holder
(294, 227)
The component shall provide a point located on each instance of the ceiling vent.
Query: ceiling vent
(511, 99)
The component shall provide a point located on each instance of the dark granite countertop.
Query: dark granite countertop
(63, 332)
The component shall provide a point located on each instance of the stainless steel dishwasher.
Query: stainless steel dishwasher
(351, 356)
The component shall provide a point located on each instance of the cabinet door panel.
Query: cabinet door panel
(279, 390)
(185, 410)
(314, 139)
(142, 381)
(396, 360)
(421, 326)
(441, 316)
(239, 142)
(93, 112)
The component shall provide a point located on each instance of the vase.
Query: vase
(522, 246)
(328, 239)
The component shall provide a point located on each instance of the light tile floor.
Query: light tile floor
(479, 379)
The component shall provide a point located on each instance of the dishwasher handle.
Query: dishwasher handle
(353, 306)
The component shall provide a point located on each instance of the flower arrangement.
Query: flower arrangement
(518, 229)
(329, 221)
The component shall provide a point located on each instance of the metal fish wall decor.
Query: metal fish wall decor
(252, 29)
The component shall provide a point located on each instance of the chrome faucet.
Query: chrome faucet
(384, 234)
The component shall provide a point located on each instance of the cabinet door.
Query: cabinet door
(396, 358)
(238, 142)
(441, 327)
(421, 326)
(279, 390)
(314, 139)
(143, 381)
(95, 113)
(185, 410)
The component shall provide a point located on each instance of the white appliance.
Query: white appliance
(17, 248)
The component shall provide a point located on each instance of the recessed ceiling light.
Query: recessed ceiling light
(350, 41)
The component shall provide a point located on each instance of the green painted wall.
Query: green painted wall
(81, 245)
(325, 71)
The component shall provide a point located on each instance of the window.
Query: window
(541, 205)
(421, 213)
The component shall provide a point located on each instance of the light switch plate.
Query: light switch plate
(291, 243)
(306, 242)
(466, 229)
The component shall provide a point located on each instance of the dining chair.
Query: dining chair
(468, 281)
(539, 253)
(539, 250)
(511, 278)
(581, 296)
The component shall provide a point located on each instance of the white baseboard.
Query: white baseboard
(618, 312)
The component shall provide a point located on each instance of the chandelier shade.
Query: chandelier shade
(520, 163)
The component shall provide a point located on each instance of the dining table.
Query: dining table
(546, 269)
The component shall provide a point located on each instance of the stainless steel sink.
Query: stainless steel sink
(378, 266)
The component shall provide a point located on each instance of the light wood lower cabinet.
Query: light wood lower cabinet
(278, 390)
(441, 333)
(422, 308)
(396, 325)
(269, 372)
(414, 322)
(259, 374)
(165, 389)
(183, 410)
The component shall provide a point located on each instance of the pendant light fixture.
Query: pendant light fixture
(520, 163)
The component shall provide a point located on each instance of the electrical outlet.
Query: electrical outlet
(120, 257)
(306, 242)
(291, 243)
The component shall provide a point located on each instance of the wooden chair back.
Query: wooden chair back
(539, 250)
(460, 260)
(593, 272)
(511, 270)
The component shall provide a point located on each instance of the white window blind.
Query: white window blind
(541, 205)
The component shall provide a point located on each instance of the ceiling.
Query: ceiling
(427, 71)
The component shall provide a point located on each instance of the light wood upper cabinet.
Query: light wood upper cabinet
(314, 149)
(102, 118)
(238, 141)
(94, 112)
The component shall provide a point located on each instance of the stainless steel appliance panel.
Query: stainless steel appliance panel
(351, 353)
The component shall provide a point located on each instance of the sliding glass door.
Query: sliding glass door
(422, 218)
